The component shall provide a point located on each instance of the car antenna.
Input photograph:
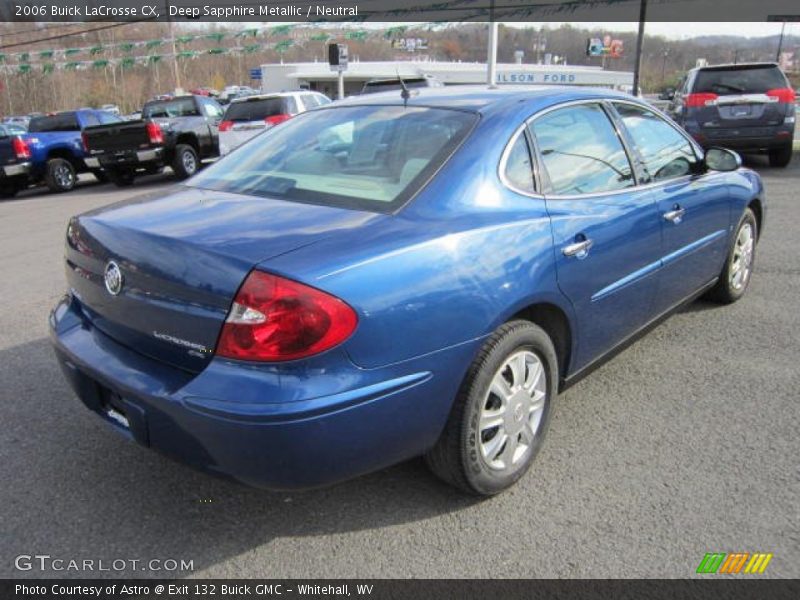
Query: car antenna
(405, 94)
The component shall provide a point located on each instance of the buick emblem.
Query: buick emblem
(113, 278)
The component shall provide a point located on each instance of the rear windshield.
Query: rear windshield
(750, 80)
(367, 157)
(169, 109)
(61, 122)
(257, 110)
(388, 85)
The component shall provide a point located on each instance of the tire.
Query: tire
(186, 163)
(470, 453)
(780, 157)
(60, 175)
(121, 177)
(100, 175)
(733, 283)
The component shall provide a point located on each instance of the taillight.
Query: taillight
(782, 95)
(704, 99)
(276, 319)
(276, 119)
(154, 133)
(21, 149)
(226, 126)
(85, 142)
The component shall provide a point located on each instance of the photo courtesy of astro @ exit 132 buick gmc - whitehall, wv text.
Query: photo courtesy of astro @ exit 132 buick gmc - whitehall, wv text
(397, 275)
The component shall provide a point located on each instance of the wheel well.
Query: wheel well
(188, 139)
(62, 153)
(553, 320)
(755, 206)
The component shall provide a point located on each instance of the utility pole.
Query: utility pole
(780, 43)
(639, 42)
(178, 86)
(491, 59)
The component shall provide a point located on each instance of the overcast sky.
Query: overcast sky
(687, 30)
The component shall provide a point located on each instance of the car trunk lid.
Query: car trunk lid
(181, 259)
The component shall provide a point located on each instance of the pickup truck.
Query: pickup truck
(177, 132)
(15, 164)
(56, 149)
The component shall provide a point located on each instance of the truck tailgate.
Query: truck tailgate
(116, 137)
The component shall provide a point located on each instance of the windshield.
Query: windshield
(752, 80)
(370, 157)
(60, 122)
(170, 109)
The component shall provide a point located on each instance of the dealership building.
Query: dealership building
(319, 76)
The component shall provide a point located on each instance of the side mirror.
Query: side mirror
(722, 159)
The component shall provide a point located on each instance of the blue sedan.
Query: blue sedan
(397, 275)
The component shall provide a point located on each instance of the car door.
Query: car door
(693, 205)
(607, 234)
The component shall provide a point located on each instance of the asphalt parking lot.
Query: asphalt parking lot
(684, 444)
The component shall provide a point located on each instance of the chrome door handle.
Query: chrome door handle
(578, 249)
(675, 216)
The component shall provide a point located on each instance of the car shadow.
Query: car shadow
(87, 184)
(74, 488)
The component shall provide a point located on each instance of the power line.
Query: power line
(72, 34)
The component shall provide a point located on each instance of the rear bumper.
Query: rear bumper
(279, 427)
(17, 170)
(127, 159)
(758, 139)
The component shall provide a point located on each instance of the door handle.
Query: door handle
(675, 215)
(578, 249)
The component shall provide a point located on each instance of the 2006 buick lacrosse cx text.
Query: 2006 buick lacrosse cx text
(396, 275)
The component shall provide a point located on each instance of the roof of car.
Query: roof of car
(482, 98)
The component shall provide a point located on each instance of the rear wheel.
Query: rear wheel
(735, 276)
(60, 175)
(780, 157)
(121, 177)
(500, 415)
(185, 163)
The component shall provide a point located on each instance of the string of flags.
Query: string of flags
(100, 56)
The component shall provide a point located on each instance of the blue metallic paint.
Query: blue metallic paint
(428, 283)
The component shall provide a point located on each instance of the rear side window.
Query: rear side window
(258, 110)
(745, 80)
(106, 118)
(581, 151)
(518, 168)
(665, 152)
(170, 109)
(60, 122)
(368, 157)
(90, 119)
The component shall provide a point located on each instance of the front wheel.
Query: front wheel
(185, 163)
(735, 275)
(501, 412)
(60, 175)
